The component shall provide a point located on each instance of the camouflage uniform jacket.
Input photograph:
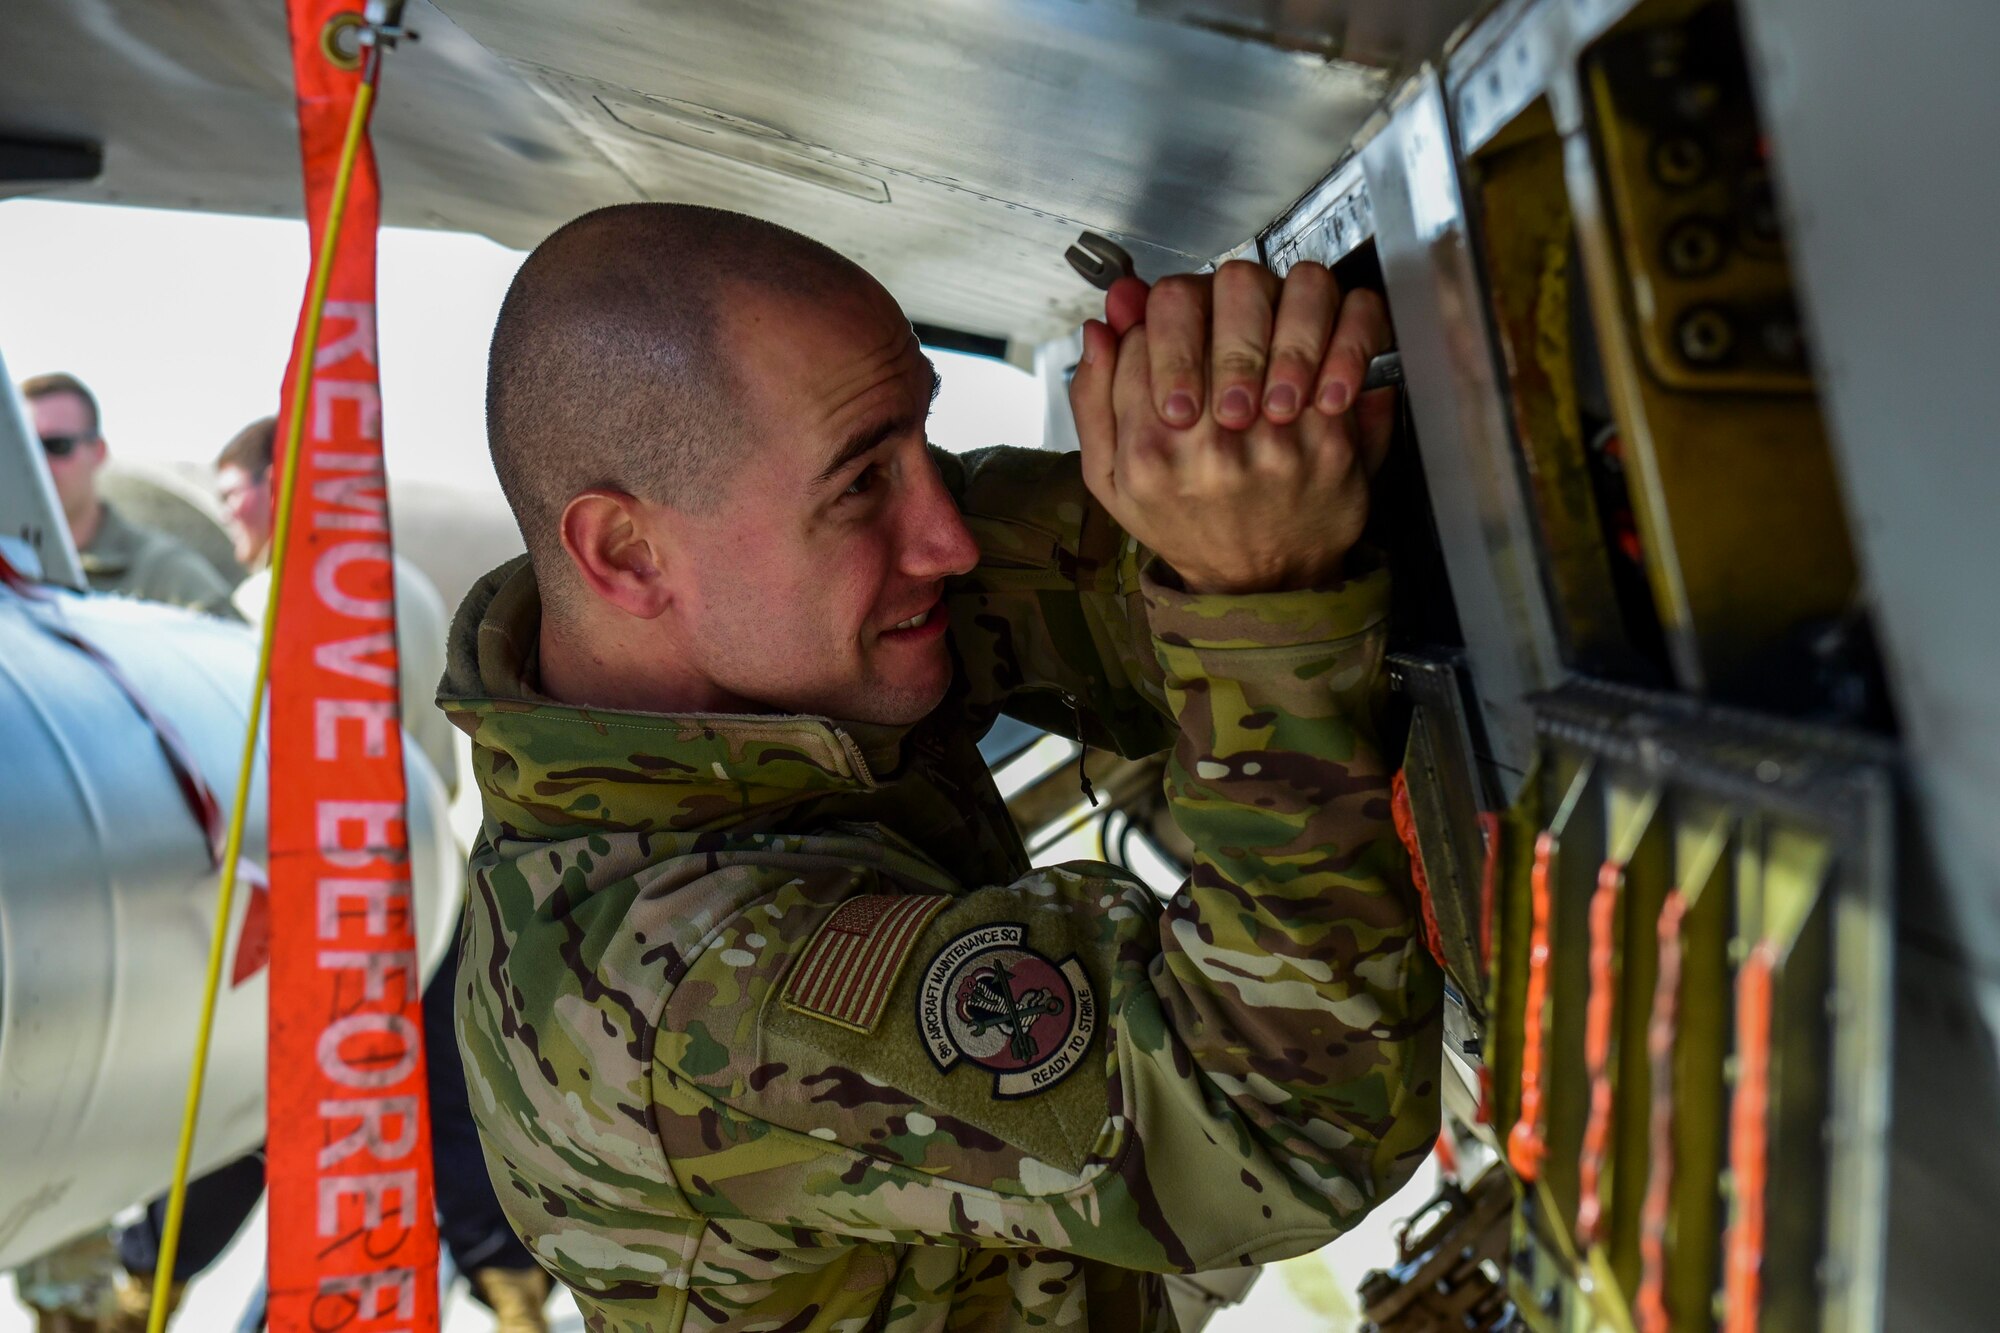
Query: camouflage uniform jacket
(768, 1022)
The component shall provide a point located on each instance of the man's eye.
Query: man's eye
(864, 481)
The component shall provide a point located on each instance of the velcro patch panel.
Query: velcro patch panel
(846, 973)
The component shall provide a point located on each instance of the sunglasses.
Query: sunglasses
(62, 446)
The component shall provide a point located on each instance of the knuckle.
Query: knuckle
(1368, 304)
(1141, 478)
(1294, 363)
(1237, 363)
(1345, 358)
(1240, 271)
(1275, 464)
(1172, 368)
(1179, 289)
(1244, 276)
(1309, 275)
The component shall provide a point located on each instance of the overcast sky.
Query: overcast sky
(180, 323)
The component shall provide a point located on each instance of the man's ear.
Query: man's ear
(617, 552)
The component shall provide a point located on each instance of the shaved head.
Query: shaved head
(711, 431)
(612, 365)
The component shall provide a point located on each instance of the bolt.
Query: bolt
(1664, 49)
(1705, 336)
(1695, 100)
(1679, 162)
(1694, 248)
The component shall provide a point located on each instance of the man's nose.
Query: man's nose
(936, 542)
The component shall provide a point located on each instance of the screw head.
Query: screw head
(1693, 248)
(1705, 336)
(1679, 161)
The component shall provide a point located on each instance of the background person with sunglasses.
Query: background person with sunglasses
(117, 555)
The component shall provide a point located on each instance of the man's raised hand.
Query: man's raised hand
(1220, 427)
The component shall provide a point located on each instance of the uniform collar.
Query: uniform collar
(113, 547)
(549, 769)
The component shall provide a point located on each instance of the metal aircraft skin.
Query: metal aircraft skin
(1692, 524)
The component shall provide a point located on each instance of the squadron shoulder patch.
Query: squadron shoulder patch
(989, 999)
(846, 973)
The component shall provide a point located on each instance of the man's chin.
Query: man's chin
(900, 707)
(904, 700)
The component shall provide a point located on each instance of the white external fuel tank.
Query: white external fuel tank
(107, 902)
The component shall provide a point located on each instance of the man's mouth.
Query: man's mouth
(920, 627)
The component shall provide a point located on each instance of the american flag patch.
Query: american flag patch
(847, 972)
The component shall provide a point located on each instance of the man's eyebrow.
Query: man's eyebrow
(871, 436)
(862, 441)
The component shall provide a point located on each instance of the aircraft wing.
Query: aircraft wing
(954, 149)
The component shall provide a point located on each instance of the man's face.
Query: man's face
(834, 530)
(75, 452)
(246, 509)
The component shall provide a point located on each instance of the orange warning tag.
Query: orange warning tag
(846, 973)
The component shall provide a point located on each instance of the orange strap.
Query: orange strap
(1489, 876)
(1525, 1147)
(1598, 1016)
(1405, 820)
(1447, 1154)
(1651, 1306)
(352, 1231)
(1749, 1131)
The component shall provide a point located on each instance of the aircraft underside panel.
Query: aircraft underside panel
(954, 149)
(1701, 761)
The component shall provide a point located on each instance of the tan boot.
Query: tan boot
(517, 1296)
(70, 1289)
(135, 1303)
(63, 1321)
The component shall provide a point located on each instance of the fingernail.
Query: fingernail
(1281, 401)
(1180, 407)
(1333, 399)
(1236, 404)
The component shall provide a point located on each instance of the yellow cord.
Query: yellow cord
(170, 1234)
